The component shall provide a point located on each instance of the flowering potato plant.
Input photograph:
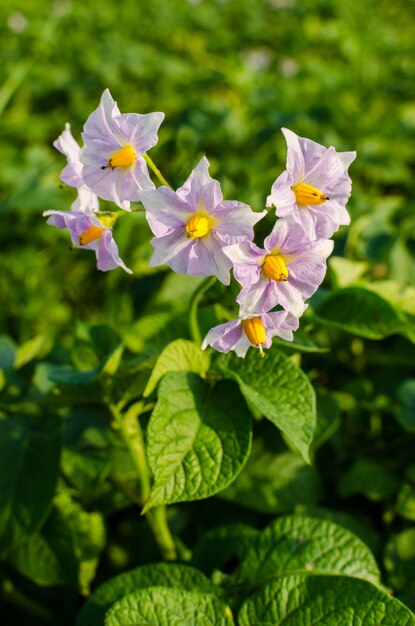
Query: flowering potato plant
(180, 407)
(159, 417)
(199, 233)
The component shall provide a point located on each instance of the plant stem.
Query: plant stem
(156, 170)
(157, 520)
(130, 430)
(194, 304)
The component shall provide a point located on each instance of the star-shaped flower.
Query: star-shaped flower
(193, 224)
(71, 174)
(314, 188)
(287, 271)
(114, 167)
(90, 233)
(251, 331)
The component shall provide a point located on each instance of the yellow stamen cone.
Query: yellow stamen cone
(308, 195)
(122, 158)
(255, 331)
(93, 233)
(198, 226)
(275, 268)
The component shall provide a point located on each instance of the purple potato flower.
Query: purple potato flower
(314, 188)
(286, 272)
(90, 233)
(193, 224)
(251, 331)
(71, 174)
(114, 167)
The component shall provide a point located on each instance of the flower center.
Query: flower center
(254, 329)
(121, 158)
(274, 267)
(93, 233)
(308, 195)
(198, 226)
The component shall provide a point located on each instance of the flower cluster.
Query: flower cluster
(199, 233)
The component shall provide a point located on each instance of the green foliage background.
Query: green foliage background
(228, 74)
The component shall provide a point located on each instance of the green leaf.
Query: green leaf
(48, 557)
(29, 463)
(66, 375)
(359, 526)
(300, 544)
(346, 271)
(158, 574)
(274, 483)
(362, 312)
(158, 328)
(165, 607)
(35, 348)
(66, 550)
(89, 536)
(323, 600)
(279, 390)
(369, 478)
(198, 438)
(180, 355)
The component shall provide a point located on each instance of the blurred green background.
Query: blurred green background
(228, 74)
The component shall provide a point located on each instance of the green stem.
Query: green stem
(130, 430)
(157, 519)
(155, 169)
(194, 304)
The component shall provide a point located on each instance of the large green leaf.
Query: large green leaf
(158, 574)
(362, 312)
(29, 463)
(198, 438)
(279, 390)
(324, 600)
(168, 607)
(300, 544)
(180, 355)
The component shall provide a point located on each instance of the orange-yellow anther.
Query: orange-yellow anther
(122, 158)
(255, 331)
(93, 233)
(308, 195)
(275, 268)
(198, 226)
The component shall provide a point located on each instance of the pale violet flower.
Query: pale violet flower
(286, 272)
(192, 226)
(71, 174)
(251, 331)
(314, 188)
(114, 167)
(90, 233)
